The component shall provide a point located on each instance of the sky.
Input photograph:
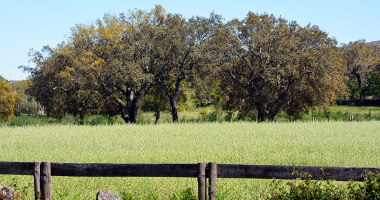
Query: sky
(29, 24)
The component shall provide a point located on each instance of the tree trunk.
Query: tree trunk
(36, 108)
(122, 113)
(173, 103)
(132, 110)
(270, 117)
(260, 112)
(358, 78)
(158, 110)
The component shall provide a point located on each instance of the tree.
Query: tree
(268, 65)
(176, 53)
(113, 54)
(372, 86)
(360, 59)
(8, 100)
(57, 82)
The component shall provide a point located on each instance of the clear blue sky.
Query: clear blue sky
(34, 24)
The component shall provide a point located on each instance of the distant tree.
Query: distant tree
(58, 82)
(3, 79)
(268, 65)
(360, 59)
(372, 87)
(8, 100)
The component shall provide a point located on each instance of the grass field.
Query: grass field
(320, 143)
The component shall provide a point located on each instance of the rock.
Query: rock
(107, 196)
(6, 193)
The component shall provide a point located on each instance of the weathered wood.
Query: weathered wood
(17, 168)
(351, 118)
(202, 181)
(313, 119)
(285, 172)
(46, 180)
(212, 181)
(124, 170)
(37, 176)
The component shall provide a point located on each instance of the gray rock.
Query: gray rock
(6, 193)
(107, 196)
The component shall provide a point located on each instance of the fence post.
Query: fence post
(313, 119)
(46, 181)
(351, 118)
(212, 181)
(37, 176)
(202, 181)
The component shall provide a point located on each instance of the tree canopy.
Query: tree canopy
(258, 66)
(8, 100)
(268, 65)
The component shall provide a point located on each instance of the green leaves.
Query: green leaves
(270, 65)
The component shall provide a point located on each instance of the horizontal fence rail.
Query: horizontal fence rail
(42, 172)
(124, 170)
(286, 172)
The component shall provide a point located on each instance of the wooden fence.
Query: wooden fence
(42, 172)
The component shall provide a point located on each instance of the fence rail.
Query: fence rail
(42, 172)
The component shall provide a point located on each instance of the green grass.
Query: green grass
(356, 109)
(320, 144)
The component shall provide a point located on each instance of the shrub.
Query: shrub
(70, 119)
(24, 121)
(95, 120)
(306, 188)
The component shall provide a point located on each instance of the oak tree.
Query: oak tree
(268, 65)
(8, 100)
(360, 59)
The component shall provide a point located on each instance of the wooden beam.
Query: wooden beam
(124, 170)
(17, 168)
(46, 180)
(212, 181)
(37, 177)
(285, 172)
(202, 181)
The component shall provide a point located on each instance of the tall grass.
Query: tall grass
(352, 144)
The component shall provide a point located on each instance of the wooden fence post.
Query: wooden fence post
(351, 118)
(212, 181)
(37, 176)
(202, 181)
(46, 181)
(313, 119)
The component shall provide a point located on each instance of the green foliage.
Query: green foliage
(187, 194)
(361, 61)
(98, 120)
(212, 117)
(372, 87)
(22, 190)
(71, 119)
(8, 101)
(371, 187)
(24, 120)
(269, 65)
(305, 187)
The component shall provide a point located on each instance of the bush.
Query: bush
(95, 120)
(70, 119)
(24, 120)
(306, 188)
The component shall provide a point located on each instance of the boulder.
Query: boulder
(107, 196)
(6, 193)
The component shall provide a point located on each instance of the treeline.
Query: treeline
(257, 67)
